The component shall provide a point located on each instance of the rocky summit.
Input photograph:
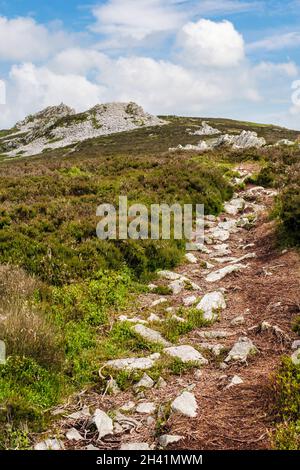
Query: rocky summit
(60, 126)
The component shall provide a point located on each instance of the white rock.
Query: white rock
(154, 317)
(222, 249)
(205, 129)
(220, 234)
(146, 408)
(123, 318)
(128, 406)
(234, 206)
(169, 275)
(216, 349)
(295, 357)
(152, 286)
(161, 383)
(240, 320)
(170, 309)
(186, 353)
(296, 344)
(221, 273)
(216, 334)
(82, 414)
(135, 446)
(241, 350)
(134, 363)
(103, 422)
(210, 304)
(177, 318)
(145, 382)
(229, 225)
(167, 439)
(190, 300)
(73, 435)
(185, 404)
(236, 380)
(162, 300)
(49, 444)
(177, 286)
(191, 258)
(150, 335)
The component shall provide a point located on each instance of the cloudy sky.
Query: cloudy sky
(226, 58)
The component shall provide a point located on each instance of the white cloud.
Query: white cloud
(136, 19)
(24, 39)
(276, 42)
(78, 61)
(209, 43)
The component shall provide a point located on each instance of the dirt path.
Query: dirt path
(264, 289)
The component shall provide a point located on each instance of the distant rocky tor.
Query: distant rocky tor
(60, 126)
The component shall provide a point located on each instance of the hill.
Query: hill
(69, 302)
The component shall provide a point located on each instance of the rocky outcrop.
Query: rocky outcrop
(205, 129)
(60, 126)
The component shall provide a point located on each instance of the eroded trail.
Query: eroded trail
(247, 289)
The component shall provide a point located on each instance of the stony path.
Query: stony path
(235, 282)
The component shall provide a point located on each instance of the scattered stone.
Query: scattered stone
(198, 374)
(216, 349)
(167, 439)
(73, 435)
(220, 234)
(240, 320)
(295, 357)
(151, 421)
(190, 300)
(150, 335)
(210, 304)
(234, 206)
(82, 414)
(216, 334)
(210, 218)
(223, 272)
(177, 286)
(222, 249)
(191, 258)
(152, 286)
(161, 383)
(241, 350)
(124, 318)
(185, 404)
(177, 318)
(186, 353)
(170, 309)
(229, 225)
(199, 247)
(154, 317)
(49, 444)
(296, 344)
(236, 380)
(134, 363)
(128, 406)
(146, 408)
(162, 300)
(113, 387)
(103, 422)
(223, 366)
(135, 446)
(145, 382)
(169, 275)
(205, 129)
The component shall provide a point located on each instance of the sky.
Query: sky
(237, 59)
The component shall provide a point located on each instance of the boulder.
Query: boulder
(167, 439)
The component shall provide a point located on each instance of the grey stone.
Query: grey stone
(296, 344)
(135, 446)
(134, 363)
(167, 439)
(223, 272)
(234, 206)
(49, 444)
(73, 435)
(146, 408)
(236, 380)
(191, 258)
(240, 320)
(186, 353)
(128, 406)
(185, 404)
(210, 304)
(150, 335)
(188, 301)
(215, 334)
(145, 382)
(295, 357)
(92, 447)
(103, 422)
(241, 350)
(161, 383)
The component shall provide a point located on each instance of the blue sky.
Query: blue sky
(231, 58)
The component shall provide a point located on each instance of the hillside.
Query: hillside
(198, 338)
